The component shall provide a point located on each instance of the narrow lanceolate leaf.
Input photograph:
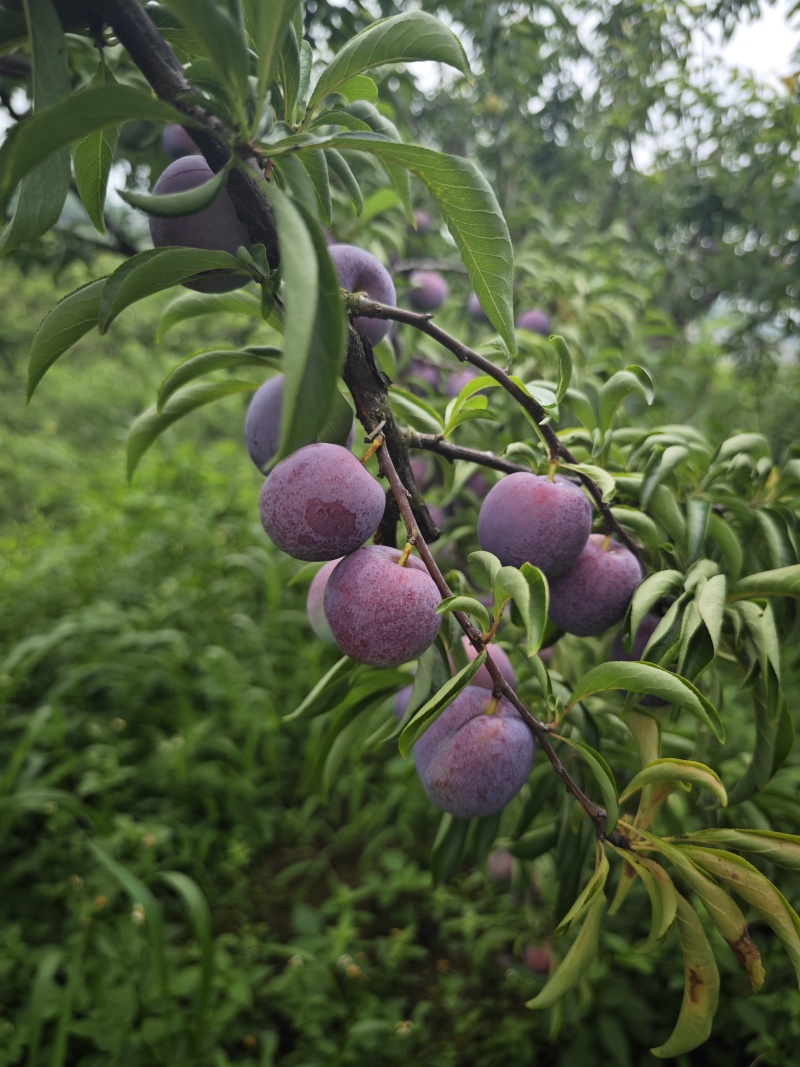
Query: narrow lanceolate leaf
(60, 125)
(315, 327)
(69, 320)
(603, 775)
(778, 848)
(176, 205)
(632, 380)
(92, 159)
(656, 681)
(473, 217)
(267, 24)
(448, 848)
(404, 38)
(564, 357)
(429, 712)
(660, 889)
(195, 305)
(711, 605)
(751, 885)
(219, 359)
(601, 477)
(701, 987)
(318, 699)
(157, 269)
(646, 596)
(574, 965)
(223, 38)
(140, 894)
(44, 189)
(785, 581)
(595, 885)
(528, 588)
(470, 606)
(339, 166)
(200, 915)
(152, 423)
(724, 912)
(680, 771)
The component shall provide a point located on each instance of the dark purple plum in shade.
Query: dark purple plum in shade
(475, 308)
(428, 291)
(217, 228)
(472, 763)
(424, 222)
(647, 628)
(526, 518)
(534, 320)
(262, 424)
(315, 601)
(361, 272)
(379, 612)
(421, 372)
(176, 142)
(320, 503)
(595, 592)
(501, 661)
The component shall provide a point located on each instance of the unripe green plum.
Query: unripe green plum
(360, 272)
(320, 502)
(217, 228)
(428, 291)
(472, 763)
(526, 518)
(380, 612)
(595, 592)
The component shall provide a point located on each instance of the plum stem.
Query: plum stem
(556, 449)
(377, 441)
(493, 703)
(406, 551)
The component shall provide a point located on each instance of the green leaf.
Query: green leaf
(315, 330)
(13, 30)
(785, 581)
(711, 605)
(316, 167)
(781, 849)
(528, 588)
(701, 987)
(314, 703)
(289, 63)
(632, 380)
(754, 444)
(491, 564)
(31, 142)
(140, 894)
(473, 217)
(602, 477)
(576, 962)
(267, 24)
(149, 426)
(200, 914)
(595, 885)
(176, 205)
(534, 843)
(69, 320)
(470, 606)
(224, 41)
(418, 411)
(194, 305)
(677, 770)
(44, 189)
(564, 357)
(751, 885)
(727, 542)
(359, 87)
(157, 269)
(218, 359)
(448, 848)
(338, 165)
(656, 681)
(429, 712)
(404, 38)
(661, 891)
(602, 774)
(646, 596)
(92, 158)
(659, 467)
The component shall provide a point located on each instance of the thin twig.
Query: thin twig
(434, 443)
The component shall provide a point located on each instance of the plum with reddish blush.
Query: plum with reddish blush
(361, 272)
(382, 612)
(428, 291)
(526, 518)
(476, 756)
(596, 590)
(320, 502)
(535, 321)
(216, 228)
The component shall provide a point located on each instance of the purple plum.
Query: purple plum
(428, 291)
(360, 272)
(596, 590)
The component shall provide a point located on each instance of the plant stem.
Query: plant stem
(433, 443)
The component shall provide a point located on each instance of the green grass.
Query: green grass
(177, 883)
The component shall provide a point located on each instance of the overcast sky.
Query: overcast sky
(764, 47)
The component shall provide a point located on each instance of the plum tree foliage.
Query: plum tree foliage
(597, 512)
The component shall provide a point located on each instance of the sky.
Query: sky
(764, 47)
